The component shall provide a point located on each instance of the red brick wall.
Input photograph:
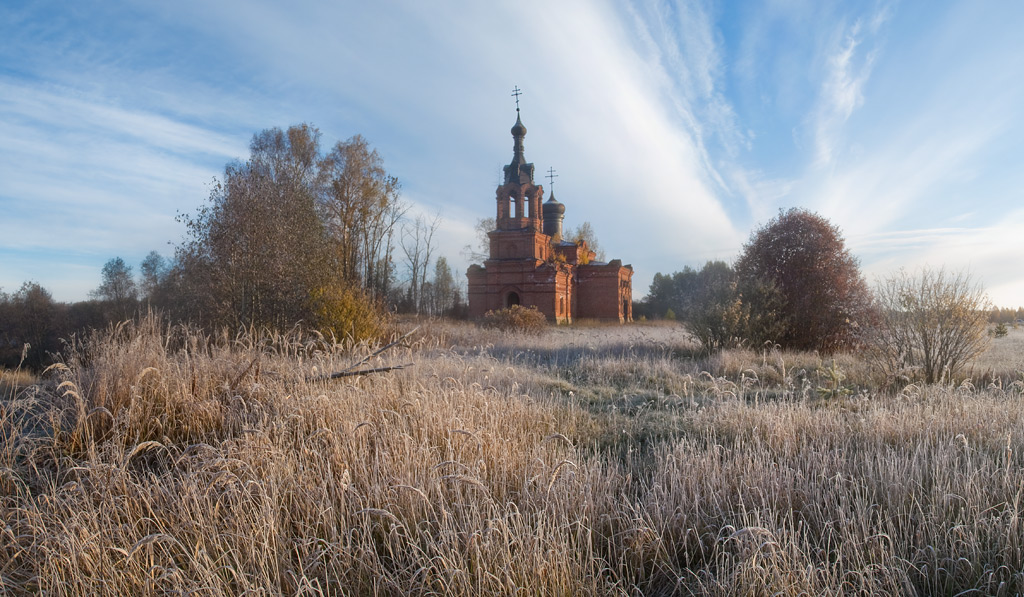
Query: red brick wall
(605, 292)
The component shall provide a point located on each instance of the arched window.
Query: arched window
(512, 299)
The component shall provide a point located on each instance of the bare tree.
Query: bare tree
(153, 269)
(930, 324)
(118, 287)
(418, 244)
(443, 291)
(480, 250)
(29, 326)
(291, 235)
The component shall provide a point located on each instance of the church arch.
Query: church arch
(512, 299)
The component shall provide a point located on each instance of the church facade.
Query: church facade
(531, 265)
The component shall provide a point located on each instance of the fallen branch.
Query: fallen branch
(347, 373)
(353, 370)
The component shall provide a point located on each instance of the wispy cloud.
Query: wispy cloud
(988, 252)
(85, 180)
(678, 123)
(848, 64)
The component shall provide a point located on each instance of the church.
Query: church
(530, 264)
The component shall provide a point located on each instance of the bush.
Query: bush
(930, 324)
(347, 313)
(516, 319)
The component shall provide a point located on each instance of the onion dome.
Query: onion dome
(518, 129)
(552, 206)
(554, 212)
(519, 171)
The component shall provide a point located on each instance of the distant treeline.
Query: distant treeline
(1007, 316)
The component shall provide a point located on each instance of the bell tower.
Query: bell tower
(518, 206)
(518, 223)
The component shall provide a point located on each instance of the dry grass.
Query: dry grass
(12, 380)
(1004, 359)
(598, 460)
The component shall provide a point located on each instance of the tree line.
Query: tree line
(298, 234)
(795, 285)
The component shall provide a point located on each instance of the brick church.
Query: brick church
(531, 265)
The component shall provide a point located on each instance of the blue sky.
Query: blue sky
(675, 127)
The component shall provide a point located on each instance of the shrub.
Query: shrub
(347, 313)
(931, 323)
(516, 319)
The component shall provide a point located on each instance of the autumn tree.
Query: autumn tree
(263, 251)
(714, 306)
(661, 295)
(362, 207)
(708, 303)
(820, 297)
(681, 291)
(259, 249)
(585, 233)
(930, 324)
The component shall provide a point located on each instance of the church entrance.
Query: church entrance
(512, 299)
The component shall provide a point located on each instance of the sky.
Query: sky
(675, 128)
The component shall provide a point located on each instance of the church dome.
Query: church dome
(554, 212)
(518, 129)
(552, 206)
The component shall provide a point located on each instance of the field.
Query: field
(596, 460)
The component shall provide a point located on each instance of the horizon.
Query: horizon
(675, 130)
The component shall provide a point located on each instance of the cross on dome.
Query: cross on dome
(551, 176)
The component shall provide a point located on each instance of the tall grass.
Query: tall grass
(583, 461)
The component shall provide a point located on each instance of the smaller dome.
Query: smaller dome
(518, 129)
(552, 206)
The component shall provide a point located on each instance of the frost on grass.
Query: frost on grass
(588, 460)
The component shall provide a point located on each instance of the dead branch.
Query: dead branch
(348, 373)
(353, 370)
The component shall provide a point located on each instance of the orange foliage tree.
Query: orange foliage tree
(825, 299)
